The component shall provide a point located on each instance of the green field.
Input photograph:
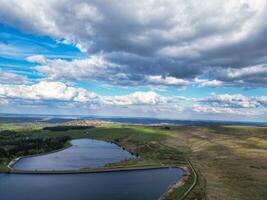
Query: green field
(230, 162)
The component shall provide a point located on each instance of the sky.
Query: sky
(165, 59)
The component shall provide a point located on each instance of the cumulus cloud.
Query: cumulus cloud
(36, 59)
(235, 101)
(58, 91)
(178, 39)
(208, 83)
(45, 91)
(169, 80)
(3, 101)
(13, 78)
(247, 76)
(100, 68)
(224, 111)
(94, 68)
(62, 96)
(262, 100)
(136, 98)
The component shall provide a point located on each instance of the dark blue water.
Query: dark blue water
(84, 153)
(127, 185)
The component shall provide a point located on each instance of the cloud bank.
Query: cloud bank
(152, 40)
(151, 102)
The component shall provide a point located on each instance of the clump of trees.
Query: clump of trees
(166, 127)
(13, 144)
(66, 128)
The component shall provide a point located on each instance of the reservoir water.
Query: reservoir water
(120, 185)
(124, 185)
(82, 154)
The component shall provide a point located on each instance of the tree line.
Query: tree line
(13, 144)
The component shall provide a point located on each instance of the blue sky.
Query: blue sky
(98, 58)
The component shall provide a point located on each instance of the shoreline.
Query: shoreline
(11, 164)
(95, 170)
(180, 182)
(15, 160)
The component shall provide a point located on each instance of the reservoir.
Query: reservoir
(130, 185)
(147, 184)
(82, 154)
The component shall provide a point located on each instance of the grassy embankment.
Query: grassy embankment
(231, 162)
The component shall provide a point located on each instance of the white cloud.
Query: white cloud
(225, 111)
(234, 101)
(99, 68)
(13, 78)
(169, 80)
(209, 83)
(148, 103)
(58, 91)
(45, 91)
(248, 76)
(262, 100)
(37, 59)
(248, 71)
(136, 98)
(95, 67)
(3, 101)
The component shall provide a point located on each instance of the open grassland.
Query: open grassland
(233, 160)
(230, 162)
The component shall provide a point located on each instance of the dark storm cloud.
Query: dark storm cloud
(172, 39)
(154, 65)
